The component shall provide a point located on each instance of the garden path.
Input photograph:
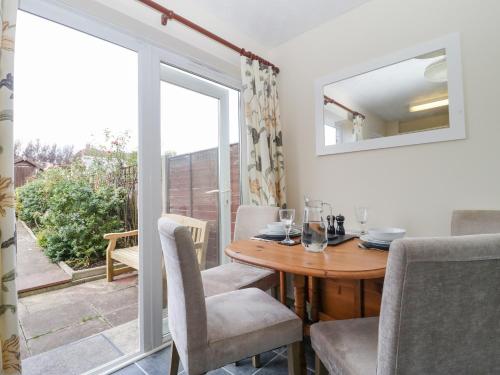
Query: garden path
(34, 269)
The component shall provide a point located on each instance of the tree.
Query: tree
(44, 153)
(17, 149)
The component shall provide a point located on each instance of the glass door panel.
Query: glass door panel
(86, 141)
(200, 156)
(190, 122)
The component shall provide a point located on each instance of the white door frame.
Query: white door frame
(149, 162)
(195, 84)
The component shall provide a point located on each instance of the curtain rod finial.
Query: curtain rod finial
(164, 19)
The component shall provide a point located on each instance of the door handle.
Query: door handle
(217, 191)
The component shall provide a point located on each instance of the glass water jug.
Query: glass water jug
(314, 227)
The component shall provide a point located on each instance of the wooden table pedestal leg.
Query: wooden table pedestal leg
(299, 284)
(283, 287)
(313, 298)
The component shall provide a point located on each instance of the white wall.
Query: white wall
(415, 187)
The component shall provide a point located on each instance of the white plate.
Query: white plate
(368, 238)
(273, 231)
(386, 234)
(277, 226)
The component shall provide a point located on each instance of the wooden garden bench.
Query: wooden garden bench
(130, 255)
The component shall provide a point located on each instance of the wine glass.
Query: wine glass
(286, 217)
(362, 217)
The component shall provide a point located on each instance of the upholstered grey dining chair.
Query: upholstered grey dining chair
(210, 332)
(440, 314)
(465, 222)
(234, 275)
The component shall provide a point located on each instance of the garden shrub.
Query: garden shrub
(70, 215)
(78, 217)
(32, 201)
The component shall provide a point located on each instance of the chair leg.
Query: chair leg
(294, 360)
(174, 360)
(109, 269)
(319, 367)
(256, 361)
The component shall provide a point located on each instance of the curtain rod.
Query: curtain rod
(167, 14)
(332, 101)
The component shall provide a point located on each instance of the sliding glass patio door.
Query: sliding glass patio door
(187, 128)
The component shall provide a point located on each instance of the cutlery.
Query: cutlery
(260, 239)
(361, 246)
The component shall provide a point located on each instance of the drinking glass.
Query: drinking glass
(286, 217)
(362, 217)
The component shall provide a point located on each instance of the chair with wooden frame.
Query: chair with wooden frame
(205, 333)
(130, 255)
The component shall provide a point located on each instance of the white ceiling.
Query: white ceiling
(272, 22)
(388, 92)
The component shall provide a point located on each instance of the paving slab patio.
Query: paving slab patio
(34, 269)
(57, 318)
(73, 359)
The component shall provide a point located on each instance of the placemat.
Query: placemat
(339, 239)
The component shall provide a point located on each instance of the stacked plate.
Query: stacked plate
(381, 238)
(276, 231)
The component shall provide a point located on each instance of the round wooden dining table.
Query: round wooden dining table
(344, 261)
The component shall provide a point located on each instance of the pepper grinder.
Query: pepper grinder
(340, 225)
(331, 226)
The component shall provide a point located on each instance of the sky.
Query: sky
(70, 87)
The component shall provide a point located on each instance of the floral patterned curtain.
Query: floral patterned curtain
(357, 127)
(266, 167)
(10, 360)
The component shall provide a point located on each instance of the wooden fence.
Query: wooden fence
(191, 188)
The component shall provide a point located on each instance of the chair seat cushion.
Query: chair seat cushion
(235, 276)
(247, 322)
(347, 347)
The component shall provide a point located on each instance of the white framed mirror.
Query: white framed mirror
(413, 96)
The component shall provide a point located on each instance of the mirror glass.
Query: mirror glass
(406, 97)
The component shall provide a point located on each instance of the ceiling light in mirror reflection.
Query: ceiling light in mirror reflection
(429, 105)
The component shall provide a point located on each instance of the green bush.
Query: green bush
(78, 217)
(70, 208)
(70, 215)
(32, 202)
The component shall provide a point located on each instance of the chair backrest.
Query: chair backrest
(464, 222)
(440, 307)
(250, 219)
(187, 316)
(199, 233)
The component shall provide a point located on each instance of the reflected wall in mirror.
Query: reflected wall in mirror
(403, 99)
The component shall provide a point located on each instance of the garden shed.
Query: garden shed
(24, 169)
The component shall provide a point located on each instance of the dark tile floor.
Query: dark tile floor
(273, 363)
